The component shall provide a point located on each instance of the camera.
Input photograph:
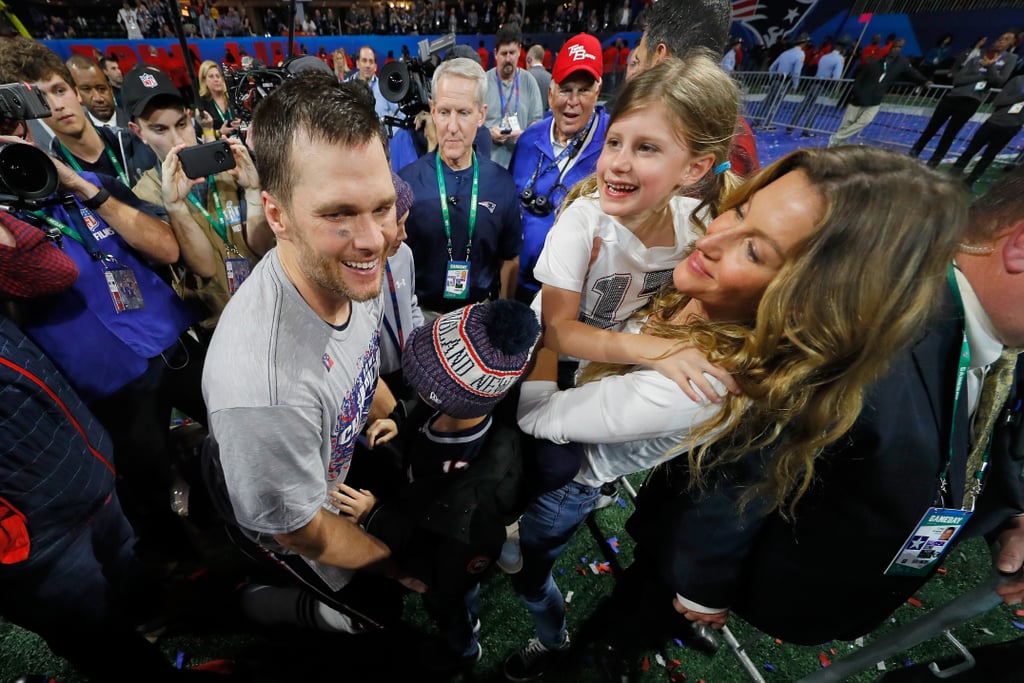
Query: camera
(26, 173)
(246, 88)
(407, 84)
(206, 160)
(537, 204)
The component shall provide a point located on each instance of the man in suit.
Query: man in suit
(873, 487)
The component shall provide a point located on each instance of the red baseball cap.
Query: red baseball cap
(582, 52)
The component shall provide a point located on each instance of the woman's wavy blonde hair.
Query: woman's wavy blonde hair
(702, 103)
(848, 298)
(340, 60)
(204, 69)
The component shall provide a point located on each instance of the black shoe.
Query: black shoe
(701, 638)
(533, 660)
(614, 666)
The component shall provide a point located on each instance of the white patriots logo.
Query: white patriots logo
(768, 23)
(490, 206)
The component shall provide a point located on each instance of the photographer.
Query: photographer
(218, 220)
(559, 150)
(119, 334)
(76, 141)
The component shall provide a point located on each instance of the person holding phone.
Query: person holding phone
(217, 218)
(215, 100)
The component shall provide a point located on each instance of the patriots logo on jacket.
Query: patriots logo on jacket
(490, 206)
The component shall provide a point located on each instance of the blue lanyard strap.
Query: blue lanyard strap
(571, 150)
(399, 339)
(501, 93)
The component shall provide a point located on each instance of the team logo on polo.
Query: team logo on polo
(148, 80)
(766, 23)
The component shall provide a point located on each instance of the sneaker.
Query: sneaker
(533, 660)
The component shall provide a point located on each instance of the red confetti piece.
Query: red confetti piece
(914, 601)
(1020, 613)
(647, 664)
(823, 658)
(942, 571)
(673, 664)
(778, 641)
(581, 570)
(832, 650)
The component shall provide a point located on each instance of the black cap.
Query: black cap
(142, 84)
(802, 38)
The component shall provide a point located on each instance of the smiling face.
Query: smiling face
(67, 118)
(642, 165)
(572, 103)
(457, 115)
(336, 234)
(745, 247)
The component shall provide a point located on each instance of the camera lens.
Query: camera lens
(219, 157)
(527, 195)
(26, 172)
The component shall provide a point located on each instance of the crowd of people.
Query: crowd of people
(402, 346)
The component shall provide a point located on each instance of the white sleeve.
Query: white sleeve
(642, 404)
(565, 258)
(697, 607)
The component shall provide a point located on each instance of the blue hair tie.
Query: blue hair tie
(723, 167)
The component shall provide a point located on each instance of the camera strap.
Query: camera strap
(70, 158)
(442, 191)
(78, 230)
(567, 154)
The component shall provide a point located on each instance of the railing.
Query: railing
(817, 106)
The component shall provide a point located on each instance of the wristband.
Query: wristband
(97, 199)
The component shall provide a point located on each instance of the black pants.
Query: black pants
(993, 138)
(957, 111)
(138, 416)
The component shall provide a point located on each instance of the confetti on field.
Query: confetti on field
(1020, 613)
(769, 667)
(659, 659)
(859, 642)
(778, 641)
(823, 659)
(1017, 624)
(613, 543)
(582, 571)
(679, 642)
(986, 631)
(568, 596)
(880, 666)
(915, 602)
(833, 651)
(940, 570)
(180, 660)
(908, 662)
(646, 666)
(674, 664)
(622, 503)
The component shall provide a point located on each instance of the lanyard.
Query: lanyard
(570, 151)
(399, 339)
(501, 93)
(963, 365)
(223, 118)
(221, 225)
(110, 155)
(77, 231)
(472, 205)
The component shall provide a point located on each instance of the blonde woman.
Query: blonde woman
(814, 275)
(340, 63)
(215, 100)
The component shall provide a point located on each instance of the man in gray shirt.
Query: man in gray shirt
(292, 371)
(513, 98)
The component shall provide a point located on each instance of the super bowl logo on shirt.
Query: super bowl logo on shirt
(766, 23)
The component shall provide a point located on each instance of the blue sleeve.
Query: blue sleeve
(482, 142)
(512, 224)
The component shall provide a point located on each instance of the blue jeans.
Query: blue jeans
(544, 530)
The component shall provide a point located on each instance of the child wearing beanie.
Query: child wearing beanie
(446, 524)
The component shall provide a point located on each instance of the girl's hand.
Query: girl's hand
(686, 366)
(381, 431)
(353, 503)
(715, 621)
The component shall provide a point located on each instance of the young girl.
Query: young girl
(626, 227)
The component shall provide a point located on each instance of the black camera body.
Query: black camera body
(247, 88)
(407, 84)
(27, 175)
(20, 102)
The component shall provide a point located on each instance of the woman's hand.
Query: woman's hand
(381, 431)
(686, 366)
(229, 128)
(715, 621)
(353, 503)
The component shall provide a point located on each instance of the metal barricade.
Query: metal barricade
(817, 106)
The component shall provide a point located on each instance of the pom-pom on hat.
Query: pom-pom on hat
(467, 360)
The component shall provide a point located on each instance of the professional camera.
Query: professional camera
(247, 88)
(407, 84)
(26, 173)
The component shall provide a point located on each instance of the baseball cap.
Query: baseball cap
(142, 84)
(582, 52)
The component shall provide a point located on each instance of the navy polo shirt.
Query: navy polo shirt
(498, 235)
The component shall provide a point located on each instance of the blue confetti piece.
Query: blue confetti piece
(584, 560)
(679, 642)
(622, 503)
(180, 661)
(1019, 625)
(908, 662)
(769, 667)
(561, 571)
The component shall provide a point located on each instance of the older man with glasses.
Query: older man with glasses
(559, 150)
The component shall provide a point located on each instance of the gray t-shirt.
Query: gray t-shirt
(520, 97)
(287, 396)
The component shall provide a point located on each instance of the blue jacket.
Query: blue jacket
(535, 145)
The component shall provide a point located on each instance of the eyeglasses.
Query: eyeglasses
(565, 94)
